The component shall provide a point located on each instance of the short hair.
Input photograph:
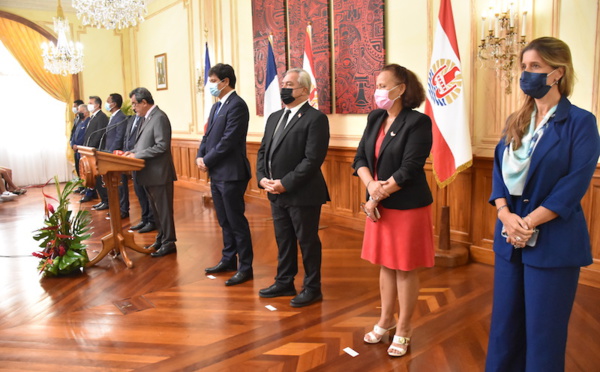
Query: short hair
(117, 99)
(83, 106)
(222, 71)
(97, 100)
(78, 102)
(142, 93)
(303, 77)
(414, 95)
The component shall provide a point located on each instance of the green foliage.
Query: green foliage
(61, 239)
(127, 109)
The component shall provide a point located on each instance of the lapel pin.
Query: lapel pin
(392, 134)
(299, 115)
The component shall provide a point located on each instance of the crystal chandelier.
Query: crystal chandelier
(64, 57)
(110, 14)
(501, 44)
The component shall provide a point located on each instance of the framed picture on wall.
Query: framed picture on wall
(160, 69)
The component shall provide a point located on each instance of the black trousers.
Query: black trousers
(124, 193)
(161, 201)
(228, 199)
(142, 195)
(298, 225)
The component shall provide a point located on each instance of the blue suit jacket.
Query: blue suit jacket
(562, 166)
(115, 132)
(223, 146)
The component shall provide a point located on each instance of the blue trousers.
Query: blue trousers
(530, 316)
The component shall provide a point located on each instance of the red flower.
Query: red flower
(38, 255)
(62, 249)
(50, 209)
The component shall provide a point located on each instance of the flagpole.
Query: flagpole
(447, 255)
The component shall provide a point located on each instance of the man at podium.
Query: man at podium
(153, 144)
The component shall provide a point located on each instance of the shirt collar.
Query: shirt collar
(295, 109)
(225, 97)
(149, 111)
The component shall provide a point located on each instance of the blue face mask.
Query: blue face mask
(214, 88)
(534, 84)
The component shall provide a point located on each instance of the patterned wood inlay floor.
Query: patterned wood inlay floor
(166, 315)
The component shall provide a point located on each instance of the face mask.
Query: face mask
(91, 108)
(287, 95)
(75, 111)
(382, 99)
(107, 106)
(80, 115)
(214, 88)
(534, 84)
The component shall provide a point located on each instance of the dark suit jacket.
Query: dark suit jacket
(115, 132)
(298, 157)
(154, 146)
(561, 168)
(223, 146)
(128, 137)
(96, 128)
(402, 155)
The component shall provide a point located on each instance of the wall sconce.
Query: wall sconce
(200, 82)
(501, 44)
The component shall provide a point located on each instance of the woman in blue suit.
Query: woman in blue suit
(542, 168)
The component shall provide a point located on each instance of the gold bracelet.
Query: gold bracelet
(501, 208)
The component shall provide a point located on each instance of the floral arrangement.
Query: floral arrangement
(61, 239)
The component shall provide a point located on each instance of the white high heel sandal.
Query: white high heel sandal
(376, 334)
(396, 351)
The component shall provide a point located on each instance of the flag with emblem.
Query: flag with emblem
(208, 98)
(308, 65)
(445, 103)
(272, 101)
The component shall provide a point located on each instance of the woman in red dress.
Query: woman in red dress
(398, 229)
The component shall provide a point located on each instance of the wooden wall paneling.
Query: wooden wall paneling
(483, 215)
(253, 189)
(459, 199)
(591, 206)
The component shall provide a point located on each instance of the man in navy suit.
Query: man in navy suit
(93, 134)
(222, 154)
(288, 167)
(111, 141)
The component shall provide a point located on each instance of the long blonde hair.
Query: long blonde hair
(555, 53)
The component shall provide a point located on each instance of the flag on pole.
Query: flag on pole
(308, 65)
(445, 102)
(272, 97)
(208, 98)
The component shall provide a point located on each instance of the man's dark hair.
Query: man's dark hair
(223, 71)
(97, 100)
(78, 102)
(117, 99)
(142, 93)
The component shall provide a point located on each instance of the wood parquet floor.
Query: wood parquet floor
(166, 315)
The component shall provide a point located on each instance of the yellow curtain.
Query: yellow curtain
(25, 45)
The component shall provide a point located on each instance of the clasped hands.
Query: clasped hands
(377, 193)
(201, 165)
(272, 186)
(517, 230)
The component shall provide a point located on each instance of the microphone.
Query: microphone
(112, 126)
(107, 128)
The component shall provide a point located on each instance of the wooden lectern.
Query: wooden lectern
(93, 163)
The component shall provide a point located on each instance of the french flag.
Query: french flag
(272, 97)
(208, 98)
(445, 103)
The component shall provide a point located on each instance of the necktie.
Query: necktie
(279, 129)
(216, 112)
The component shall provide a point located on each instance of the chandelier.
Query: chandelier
(110, 14)
(501, 43)
(64, 57)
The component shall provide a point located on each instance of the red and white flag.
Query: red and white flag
(308, 65)
(445, 103)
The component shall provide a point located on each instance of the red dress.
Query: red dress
(401, 239)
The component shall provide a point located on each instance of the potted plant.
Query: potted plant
(63, 251)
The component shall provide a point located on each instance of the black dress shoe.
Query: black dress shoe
(97, 205)
(124, 215)
(239, 278)
(277, 290)
(138, 226)
(155, 246)
(87, 198)
(147, 228)
(164, 250)
(221, 267)
(306, 297)
(101, 207)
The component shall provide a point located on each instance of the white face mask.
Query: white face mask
(91, 108)
(75, 111)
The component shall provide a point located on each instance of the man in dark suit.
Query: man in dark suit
(222, 154)
(289, 168)
(111, 141)
(153, 144)
(147, 223)
(76, 121)
(93, 134)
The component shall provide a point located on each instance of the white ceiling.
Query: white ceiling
(48, 5)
